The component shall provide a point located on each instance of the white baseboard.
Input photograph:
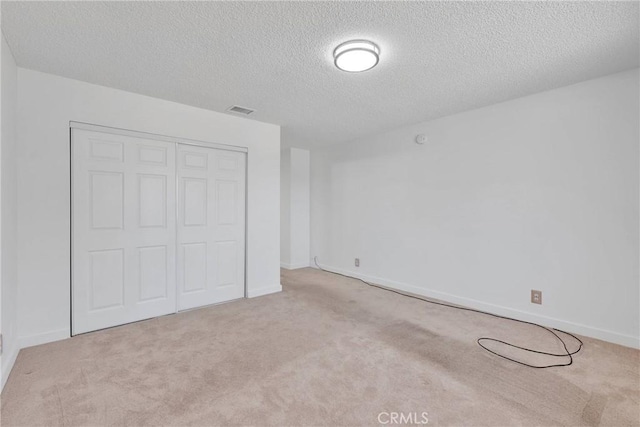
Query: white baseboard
(577, 328)
(8, 360)
(252, 293)
(293, 266)
(9, 357)
(44, 338)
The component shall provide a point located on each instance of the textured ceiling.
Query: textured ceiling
(436, 58)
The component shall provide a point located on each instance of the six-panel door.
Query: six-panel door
(132, 256)
(211, 226)
(123, 229)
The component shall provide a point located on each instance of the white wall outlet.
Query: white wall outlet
(357, 262)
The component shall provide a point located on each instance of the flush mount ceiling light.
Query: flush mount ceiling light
(356, 55)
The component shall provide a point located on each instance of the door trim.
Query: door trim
(157, 137)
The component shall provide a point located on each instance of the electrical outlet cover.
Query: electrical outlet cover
(536, 296)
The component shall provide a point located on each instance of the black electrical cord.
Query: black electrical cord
(568, 353)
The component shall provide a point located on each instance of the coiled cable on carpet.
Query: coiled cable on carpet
(480, 340)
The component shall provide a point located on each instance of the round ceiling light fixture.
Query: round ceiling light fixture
(356, 56)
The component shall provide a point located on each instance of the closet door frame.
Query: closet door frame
(176, 140)
(147, 135)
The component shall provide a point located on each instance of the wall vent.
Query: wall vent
(240, 110)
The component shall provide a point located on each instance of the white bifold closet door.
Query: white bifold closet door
(211, 225)
(144, 247)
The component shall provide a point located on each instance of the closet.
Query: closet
(158, 225)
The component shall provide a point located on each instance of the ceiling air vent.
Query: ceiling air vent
(240, 110)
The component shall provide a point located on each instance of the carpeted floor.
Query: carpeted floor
(325, 351)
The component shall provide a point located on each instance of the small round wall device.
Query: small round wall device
(421, 138)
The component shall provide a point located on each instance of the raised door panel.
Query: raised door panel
(194, 201)
(101, 148)
(106, 281)
(226, 262)
(194, 267)
(152, 190)
(107, 199)
(195, 160)
(227, 202)
(152, 155)
(153, 273)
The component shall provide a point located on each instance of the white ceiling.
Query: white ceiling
(436, 58)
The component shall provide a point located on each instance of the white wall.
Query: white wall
(46, 104)
(8, 213)
(285, 208)
(536, 193)
(300, 207)
(295, 207)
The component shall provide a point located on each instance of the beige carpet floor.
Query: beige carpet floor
(325, 351)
